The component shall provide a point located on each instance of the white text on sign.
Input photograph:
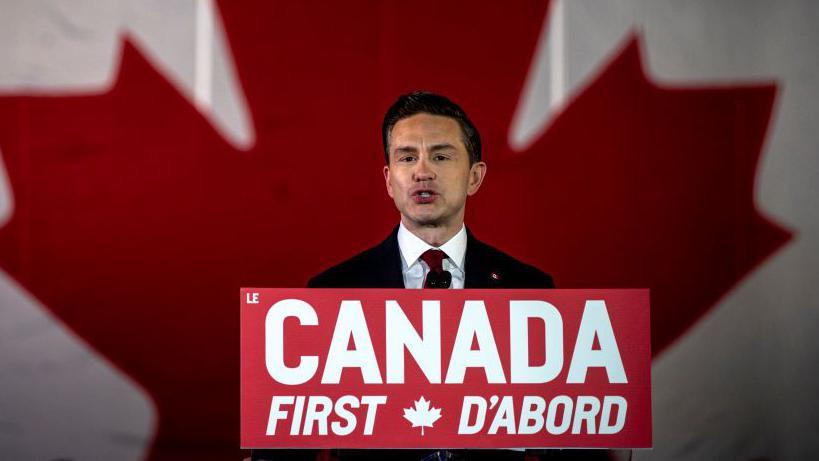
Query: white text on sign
(425, 347)
(534, 414)
(320, 412)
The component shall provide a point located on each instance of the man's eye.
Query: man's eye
(408, 158)
(441, 157)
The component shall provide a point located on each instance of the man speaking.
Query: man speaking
(433, 163)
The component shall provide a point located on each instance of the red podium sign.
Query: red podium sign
(359, 368)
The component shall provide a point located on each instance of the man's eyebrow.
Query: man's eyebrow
(405, 150)
(413, 149)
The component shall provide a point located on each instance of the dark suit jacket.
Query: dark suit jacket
(380, 267)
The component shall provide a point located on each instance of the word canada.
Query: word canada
(425, 346)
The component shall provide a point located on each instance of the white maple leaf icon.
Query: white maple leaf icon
(422, 415)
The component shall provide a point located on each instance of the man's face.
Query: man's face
(429, 176)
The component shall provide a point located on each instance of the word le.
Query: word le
(425, 348)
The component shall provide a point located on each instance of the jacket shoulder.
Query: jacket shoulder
(347, 272)
(376, 267)
(494, 268)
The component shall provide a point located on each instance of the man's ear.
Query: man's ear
(476, 174)
(387, 180)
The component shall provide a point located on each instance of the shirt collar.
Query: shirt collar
(412, 247)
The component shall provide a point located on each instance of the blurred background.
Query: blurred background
(158, 155)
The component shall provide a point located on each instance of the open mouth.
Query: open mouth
(424, 196)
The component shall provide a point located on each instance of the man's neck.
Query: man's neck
(434, 235)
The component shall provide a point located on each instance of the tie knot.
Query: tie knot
(434, 259)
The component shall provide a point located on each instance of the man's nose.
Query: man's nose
(423, 170)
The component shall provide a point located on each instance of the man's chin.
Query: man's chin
(425, 221)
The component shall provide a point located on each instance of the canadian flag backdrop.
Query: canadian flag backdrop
(158, 155)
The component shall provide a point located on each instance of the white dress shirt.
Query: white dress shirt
(415, 270)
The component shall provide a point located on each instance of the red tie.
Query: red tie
(437, 277)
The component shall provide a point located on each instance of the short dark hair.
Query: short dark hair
(423, 102)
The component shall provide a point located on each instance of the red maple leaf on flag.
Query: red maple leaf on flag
(136, 223)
